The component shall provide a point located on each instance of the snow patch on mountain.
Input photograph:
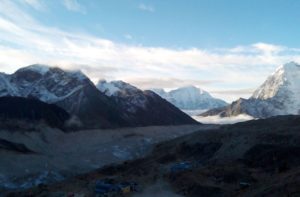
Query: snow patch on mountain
(130, 97)
(46, 83)
(107, 88)
(115, 88)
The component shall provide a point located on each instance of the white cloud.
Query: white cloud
(195, 112)
(36, 4)
(167, 82)
(24, 41)
(233, 94)
(145, 7)
(268, 48)
(74, 6)
(223, 120)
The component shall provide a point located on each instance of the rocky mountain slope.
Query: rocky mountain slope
(278, 95)
(143, 107)
(24, 113)
(71, 90)
(191, 98)
(75, 93)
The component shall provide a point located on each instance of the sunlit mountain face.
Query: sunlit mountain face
(278, 95)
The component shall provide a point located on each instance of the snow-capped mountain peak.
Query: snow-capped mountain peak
(38, 68)
(291, 66)
(278, 95)
(43, 70)
(190, 91)
(48, 84)
(191, 98)
(285, 80)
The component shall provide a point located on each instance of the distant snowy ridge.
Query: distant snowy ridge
(278, 95)
(191, 98)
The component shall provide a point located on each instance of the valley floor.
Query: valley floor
(57, 155)
(252, 159)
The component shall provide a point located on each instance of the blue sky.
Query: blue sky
(178, 23)
(227, 47)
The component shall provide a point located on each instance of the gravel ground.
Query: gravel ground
(78, 152)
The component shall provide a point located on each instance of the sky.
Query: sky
(226, 47)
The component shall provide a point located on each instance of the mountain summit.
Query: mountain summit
(191, 98)
(70, 90)
(278, 95)
(283, 84)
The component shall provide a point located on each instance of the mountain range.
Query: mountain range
(76, 94)
(191, 98)
(278, 95)
(142, 107)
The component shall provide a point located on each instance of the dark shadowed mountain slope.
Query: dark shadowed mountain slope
(14, 109)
